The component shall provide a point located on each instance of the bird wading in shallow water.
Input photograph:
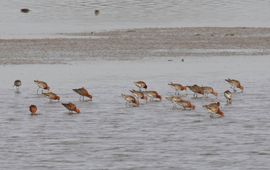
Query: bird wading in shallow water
(33, 109)
(83, 93)
(177, 87)
(51, 96)
(153, 95)
(71, 107)
(141, 85)
(235, 84)
(214, 110)
(196, 90)
(42, 85)
(130, 100)
(17, 84)
(139, 95)
(228, 96)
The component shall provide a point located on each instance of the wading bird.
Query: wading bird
(228, 96)
(141, 85)
(83, 93)
(71, 107)
(177, 87)
(235, 84)
(41, 85)
(130, 100)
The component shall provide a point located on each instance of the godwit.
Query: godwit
(33, 109)
(177, 87)
(187, 105)
(153, 95)
(196, 90)
(41, 85)
(209, 90)
(173, 99)
(214, 110)
(139, 95)
(141, 84)
(83, 93)
(71, 107)
(17, 84)
(131, 100)
(235, 84)
(52, 96)
(228, 96)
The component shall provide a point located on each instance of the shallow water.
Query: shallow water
(68, 16)
(109, 135)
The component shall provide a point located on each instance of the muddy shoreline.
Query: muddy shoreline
(133, 44)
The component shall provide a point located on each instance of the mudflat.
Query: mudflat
(135, 44)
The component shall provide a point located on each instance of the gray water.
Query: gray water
(109, 135)
(67, 16)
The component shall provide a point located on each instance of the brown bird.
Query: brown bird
(131, 100)
(153, 95)
(187, 105)
(214, 110)
(41, 85)
(83, 93)
(33, 109)
(52, 96)
(17, 84)
(196, 90)
(97, 12)
(141, 84)
(177, 87)
(139, 95)
(235, 84)
(71, 107)
(209, 90)
(228, 96)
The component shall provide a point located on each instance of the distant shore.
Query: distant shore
(136, 44)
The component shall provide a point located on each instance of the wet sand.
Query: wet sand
(135, 44)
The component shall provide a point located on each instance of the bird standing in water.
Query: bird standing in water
(141, 85)
(177, 87)
(235, 84)
(131, 100)
(42, 85)
(83, 93)
(71, 107)
(153, 95)
(17, 84)
(52, 96)
(33, 109)
(228, 96)
(214, 110)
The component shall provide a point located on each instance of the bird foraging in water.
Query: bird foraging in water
(139, 95)
(153, 95)
(52, 96)
(33, 109)
(83, 93)
(209, 90)
(17, 84)
(196, 90)
(177, 87)
(228, 96)
(187, 105)
(141, 84)
(41, 85)
(131, 100)
(214, 110)
(235, 84)
(71, 107)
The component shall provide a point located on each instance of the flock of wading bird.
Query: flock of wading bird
(138, 96)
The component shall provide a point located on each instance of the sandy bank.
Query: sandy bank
(137, 44)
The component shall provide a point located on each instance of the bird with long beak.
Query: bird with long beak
(173, 99)
(235, 84)
(177, 87)
(51, 96)
(17, 84)
(33, 109)
(209, 90)
(42, 85)
(196, 90)
(214, 110)
(71, 107)
(187, 105)
(130, 100)
(141, 85)
(153, 95)
(83, 93)
(228, 96)
(139, 95)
